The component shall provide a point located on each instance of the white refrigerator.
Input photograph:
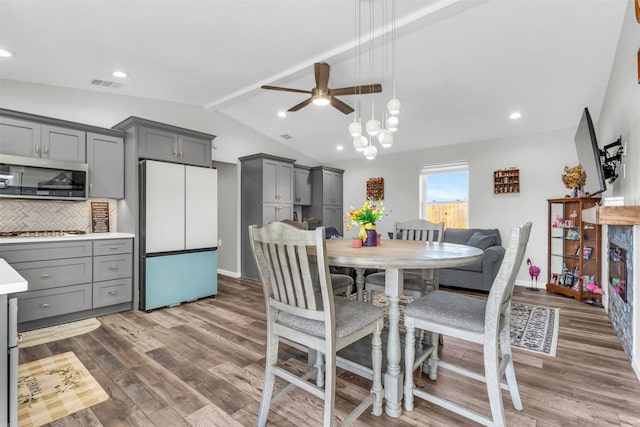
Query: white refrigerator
(178, 233)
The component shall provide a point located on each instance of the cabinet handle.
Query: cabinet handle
(90, 188)
(45, 275)
(180, 154)
(114, 267)
(112, 292)
(175, 153)
(113, 247)
(45, 149)
(45, 305)
(37, 148)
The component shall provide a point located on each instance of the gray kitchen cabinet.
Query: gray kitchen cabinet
(30, 139)
(327, 194)
(171, 146)
(71, 279)
(19, 137)
(266, 194)
(302, 185)
(105, 156)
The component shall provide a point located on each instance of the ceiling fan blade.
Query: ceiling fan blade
(356, 90)
(285, 89)
(322, 76)
(302, 104)
(345, 108)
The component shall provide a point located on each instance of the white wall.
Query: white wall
(621, 117)
(233, 139)
(540, 158)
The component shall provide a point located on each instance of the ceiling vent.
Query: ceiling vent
(286, 136)
(105, 83)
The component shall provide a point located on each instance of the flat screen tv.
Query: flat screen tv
(589, 155)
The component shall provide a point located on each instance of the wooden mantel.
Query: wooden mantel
(612, 215)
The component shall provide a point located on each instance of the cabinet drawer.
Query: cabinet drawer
(109, 267)
(33, 305)
(112, 246)
(45, 251)
(59, 272)
(111, 292)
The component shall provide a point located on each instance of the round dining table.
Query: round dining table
(395, 256)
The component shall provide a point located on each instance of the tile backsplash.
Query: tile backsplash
(32, 215)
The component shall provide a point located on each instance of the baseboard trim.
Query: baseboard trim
(228, 273)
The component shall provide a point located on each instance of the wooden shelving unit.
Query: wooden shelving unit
(506, 181)
(574, 247)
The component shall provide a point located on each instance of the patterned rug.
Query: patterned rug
(57, 332)
(54, 387)
(534, 328)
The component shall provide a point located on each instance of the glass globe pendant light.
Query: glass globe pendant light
(385, 138)
(355, 128)
(359, 142)
(370, 152)
(392, 123)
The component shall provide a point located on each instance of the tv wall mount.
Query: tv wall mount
(611, 158)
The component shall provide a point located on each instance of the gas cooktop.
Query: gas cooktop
(42, 233)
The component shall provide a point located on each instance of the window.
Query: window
(444, 193)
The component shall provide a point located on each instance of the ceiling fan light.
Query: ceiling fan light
(385, 138)
(370, 152)
(355, 128)
(373, 126)
(392, 123)
(321, 100)
(393, 106)
(359, 143)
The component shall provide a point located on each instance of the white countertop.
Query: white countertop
(10, 280)
(94, 236)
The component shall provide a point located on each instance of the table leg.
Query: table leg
(393, 375)
(360, 282)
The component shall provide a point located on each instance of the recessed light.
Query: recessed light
(119, 74)
(4, 53)
(282, 114)
(515, 116)
(339, 148)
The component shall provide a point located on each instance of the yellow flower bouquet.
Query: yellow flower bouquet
(365, 217)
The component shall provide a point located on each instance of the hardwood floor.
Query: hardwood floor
(201, 364)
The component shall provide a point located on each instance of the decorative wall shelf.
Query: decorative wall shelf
(506, 181)
(612, 215)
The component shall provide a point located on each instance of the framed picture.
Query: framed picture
(568, 223)
(578, 251)
(586, 252)
(554, 279)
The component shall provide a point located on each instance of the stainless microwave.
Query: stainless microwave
(33, 178)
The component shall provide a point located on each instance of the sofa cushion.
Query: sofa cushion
(481, 241)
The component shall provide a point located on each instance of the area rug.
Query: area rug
(54, 387)
(534, 328)
(58, 332)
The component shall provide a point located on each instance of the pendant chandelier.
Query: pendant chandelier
(380, 130)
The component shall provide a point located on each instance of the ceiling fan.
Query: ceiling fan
(322, 95)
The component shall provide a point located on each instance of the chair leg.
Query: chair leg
(433, 359)
(269, 379)
(409, 359)
(510, 372)
(492, 376)
(319, 365)
(329, 388)
(376, 359)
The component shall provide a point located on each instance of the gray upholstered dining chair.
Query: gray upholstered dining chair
(482, 321)
(342, 283)
(292, 265)
(414, 283)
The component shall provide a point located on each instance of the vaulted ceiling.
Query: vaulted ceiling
(461, 66)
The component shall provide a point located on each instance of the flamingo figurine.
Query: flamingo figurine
(534, 271)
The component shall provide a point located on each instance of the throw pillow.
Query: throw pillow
(481, 241)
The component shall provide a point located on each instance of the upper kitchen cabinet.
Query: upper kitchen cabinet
(159, 141)
(105, 155)
(302, 185)
(28, 138)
